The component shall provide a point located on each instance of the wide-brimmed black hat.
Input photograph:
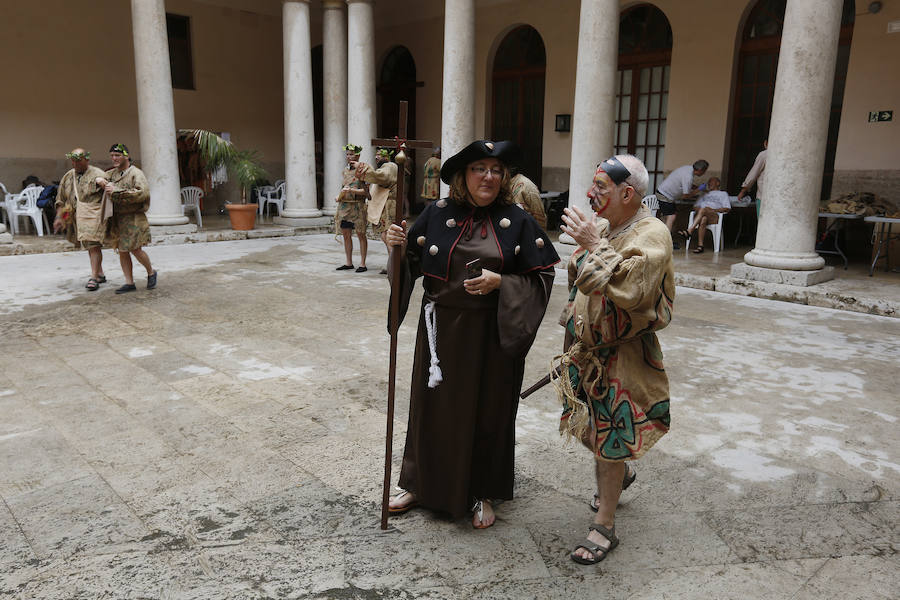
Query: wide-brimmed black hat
(506, 152)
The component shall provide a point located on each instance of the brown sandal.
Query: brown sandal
(698, 250)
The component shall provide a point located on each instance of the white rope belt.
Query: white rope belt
(435, 377)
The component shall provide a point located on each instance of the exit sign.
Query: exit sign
(881, 115)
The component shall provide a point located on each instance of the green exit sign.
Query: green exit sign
(881, 115)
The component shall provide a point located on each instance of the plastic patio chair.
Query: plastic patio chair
(652, 203)
(715, 230)
(25, 205)
(275, 197)
(190, 200)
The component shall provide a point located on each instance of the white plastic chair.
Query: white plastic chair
(6, 207)
(190, 200)
(716, 231)
(652, 203)
(275, 197)
(261, 191)
(25, 205)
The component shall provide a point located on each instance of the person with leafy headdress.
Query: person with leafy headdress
(351, 211)
(82, 212)
(383, 202)
(130, 193)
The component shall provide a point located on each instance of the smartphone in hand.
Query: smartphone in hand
(473, 268)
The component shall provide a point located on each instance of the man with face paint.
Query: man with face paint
(615, 394)
(79, 211)
(130, 192)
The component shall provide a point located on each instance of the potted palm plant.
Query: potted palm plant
(242, 165)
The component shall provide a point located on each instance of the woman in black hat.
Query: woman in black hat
(488, 272)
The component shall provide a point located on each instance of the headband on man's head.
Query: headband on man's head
(352, 148)
(78, 155)
(121, 148)
(615, 169)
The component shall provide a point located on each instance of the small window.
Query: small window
(180, 60)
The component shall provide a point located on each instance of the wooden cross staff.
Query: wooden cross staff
(401, 144)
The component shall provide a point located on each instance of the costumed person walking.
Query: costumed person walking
(351, 212)
(613, 387)
(130, 193)
(383, 202)
(82, 210)
(431, 177)
(488, 271)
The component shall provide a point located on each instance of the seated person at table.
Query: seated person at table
(707, 210)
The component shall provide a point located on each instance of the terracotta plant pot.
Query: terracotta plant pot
(243, 216)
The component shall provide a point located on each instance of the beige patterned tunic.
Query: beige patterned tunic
(431, 180)
(131, 200)
(385, 176)
(351, 207)
(93, 231)
(616, 395)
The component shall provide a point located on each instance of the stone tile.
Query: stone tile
(17, 559)
(173, 366)
(219, 393)
(122, 575)
(807, 531)
(844, 573)
(83, 515)
(263, 570)
(441, 557)
(65, 345)
(51, 461)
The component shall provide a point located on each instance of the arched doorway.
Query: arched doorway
(642, 99)
(518, 96)
(398, 82)
(755, 88)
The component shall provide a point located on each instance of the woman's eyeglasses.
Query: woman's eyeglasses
(483, 171)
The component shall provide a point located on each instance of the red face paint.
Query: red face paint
(599, 202)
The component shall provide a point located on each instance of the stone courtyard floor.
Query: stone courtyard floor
(221, 437)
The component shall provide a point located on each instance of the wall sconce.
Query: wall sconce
(563, 123)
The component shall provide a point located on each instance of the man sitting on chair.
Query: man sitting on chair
(707, 210)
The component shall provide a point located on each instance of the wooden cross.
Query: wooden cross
(401, 144)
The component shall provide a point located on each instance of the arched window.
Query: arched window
(645, 51)
(518, 96)
(755, 89)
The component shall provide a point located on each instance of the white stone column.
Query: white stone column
(798, 134)
(299, 129)
(593, 117)
(334, 51)
(156, 112)
(361, 76)
(458, 92)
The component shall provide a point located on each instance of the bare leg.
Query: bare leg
(95, 255)
(143, 259)
(363, 248)
(348, 247)
(125, 262)
(670, 221)
(609, 488)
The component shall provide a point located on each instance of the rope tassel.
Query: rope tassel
(435, 377)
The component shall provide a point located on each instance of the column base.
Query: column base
(783, 276)
(304, 221)
(168, 219)
(565, 238)
(6, 238)
(300, 213)
(157, 229)
(329, 211)
(790, 261)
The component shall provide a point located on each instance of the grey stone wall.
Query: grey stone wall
(883, 183)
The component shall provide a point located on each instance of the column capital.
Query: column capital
(360, 1)
(332, 4)
(296, 1)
